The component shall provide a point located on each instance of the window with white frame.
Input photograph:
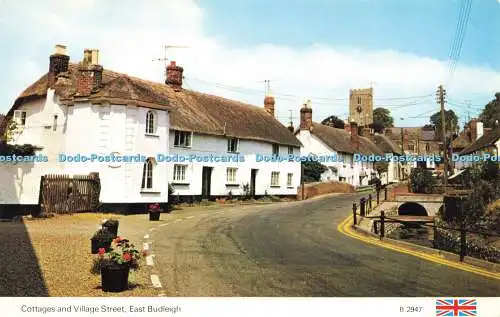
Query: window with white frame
(20, 117)
(231, 174)
(232, 145)
(276, 149)
(147, 174)
(151, 122)
(182, 138)
(289, 178)
(180, 173)
(290, 153)
(275, 178)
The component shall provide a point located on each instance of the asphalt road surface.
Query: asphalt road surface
(294, 249)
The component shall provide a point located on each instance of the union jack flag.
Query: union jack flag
(456, 307)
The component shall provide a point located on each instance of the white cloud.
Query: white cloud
(135, 32)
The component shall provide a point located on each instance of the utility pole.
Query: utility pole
(441, 96)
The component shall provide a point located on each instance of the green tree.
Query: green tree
(3, 124)
(313, 171)
(491, 112)
(333, 121)
(421, 181)
(450, 118)
(382, 116)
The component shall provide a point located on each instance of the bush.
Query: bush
(313, 171)
(421, 181)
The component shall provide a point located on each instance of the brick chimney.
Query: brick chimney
(306, 117)
(354, 134)
(290, 127)
(89, 77)
(174, 76)
(269, 103)
(476, 129)
(58, 63)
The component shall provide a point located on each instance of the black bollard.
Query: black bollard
(354, 207)
(382, 224)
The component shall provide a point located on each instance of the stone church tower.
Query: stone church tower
(361, 106)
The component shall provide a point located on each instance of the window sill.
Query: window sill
(182, 146)
(290, 187)
(233, 152)
(275, 186)
(150, 191)
(151, 135)
(232, 184)
(179, 182)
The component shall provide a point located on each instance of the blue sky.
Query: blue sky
(308, 49)
(422, 27)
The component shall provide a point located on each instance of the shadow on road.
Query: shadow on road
(20, 272)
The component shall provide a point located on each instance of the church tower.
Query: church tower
(361, 106)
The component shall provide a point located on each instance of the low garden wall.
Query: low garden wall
(315, 189)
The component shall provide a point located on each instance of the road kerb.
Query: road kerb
(345, 228)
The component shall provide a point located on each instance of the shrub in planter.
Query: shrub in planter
(114, 265)
(101, 239)
(154, 211)
(111, 225)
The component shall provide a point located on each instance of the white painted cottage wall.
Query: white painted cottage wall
(348, 169)
(86, 129)
(210, 144)
(119, 129)
(21, 181)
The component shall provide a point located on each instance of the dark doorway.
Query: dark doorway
(253, 177)
(206, 181)
(412, 209)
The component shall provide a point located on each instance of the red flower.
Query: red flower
(127, 257)
(101, 251)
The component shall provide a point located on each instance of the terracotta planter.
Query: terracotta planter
(114, 278)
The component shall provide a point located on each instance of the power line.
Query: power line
(296, 97)
(462, 23)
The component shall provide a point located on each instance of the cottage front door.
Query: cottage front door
(206, 181)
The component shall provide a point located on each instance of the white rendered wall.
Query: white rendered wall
(209, 144)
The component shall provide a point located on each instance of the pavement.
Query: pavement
(291, 249)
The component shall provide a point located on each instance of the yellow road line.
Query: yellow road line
(345, 228)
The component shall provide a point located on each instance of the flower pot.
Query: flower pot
(114, 278)
(154, 215)
(111, 228)
(97, 243)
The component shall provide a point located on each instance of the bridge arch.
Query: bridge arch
(412, 209)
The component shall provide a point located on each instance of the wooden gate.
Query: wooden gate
(68, 194)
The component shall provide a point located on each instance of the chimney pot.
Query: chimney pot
(306, 117)
(269, 103)
(174, 76)
(58, 63)
(89, 78)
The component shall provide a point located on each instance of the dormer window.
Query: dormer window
(182, 138)
(20, 117)
(276, 149)
(232, 145)
(151, 121)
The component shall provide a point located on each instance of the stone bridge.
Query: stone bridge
(415, 205)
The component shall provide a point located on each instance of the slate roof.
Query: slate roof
(340, 140)
(488, 139)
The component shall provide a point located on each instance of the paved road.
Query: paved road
(294, 249)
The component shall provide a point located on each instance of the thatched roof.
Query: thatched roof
(385, 144)
(487, 140)
(340, 140)
(189, 110)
